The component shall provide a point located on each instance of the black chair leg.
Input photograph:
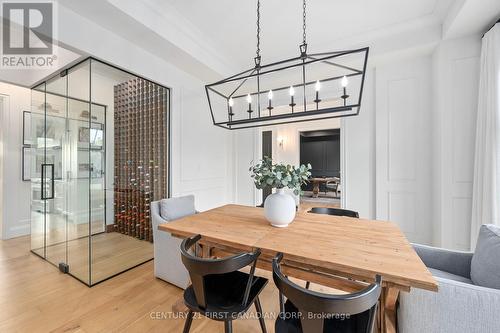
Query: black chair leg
(262, 322)
(228, 327)
(308, 284)
(189, 320)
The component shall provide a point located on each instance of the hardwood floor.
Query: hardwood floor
(36, 297)
(111, 253)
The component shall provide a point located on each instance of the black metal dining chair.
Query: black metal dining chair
(334, 211)
(219, 291)
(307, 311)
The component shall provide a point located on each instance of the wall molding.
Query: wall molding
(22, 228)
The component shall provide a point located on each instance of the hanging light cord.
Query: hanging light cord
(304, 22)
(257, 59)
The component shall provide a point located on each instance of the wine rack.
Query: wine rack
(141, 154)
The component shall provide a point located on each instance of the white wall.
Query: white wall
(200, 159)
(408, 155)
(16, 193)
(3, 107)
(456, 81)
(213, 163)
(247, 149)
(290, 151)
(357, 133)
(403, 146)
(358, 149)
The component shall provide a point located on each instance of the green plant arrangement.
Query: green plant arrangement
(266, 173)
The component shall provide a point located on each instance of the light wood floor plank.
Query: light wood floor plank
(36, 297)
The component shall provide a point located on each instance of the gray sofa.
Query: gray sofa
(460, 305)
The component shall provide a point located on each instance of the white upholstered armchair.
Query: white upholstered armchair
(167, 257)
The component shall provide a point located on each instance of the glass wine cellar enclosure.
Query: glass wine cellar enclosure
(98, 155)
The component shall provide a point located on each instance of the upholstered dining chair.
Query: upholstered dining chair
(167, 258)
(333, 185)
(307, 311)
(220, 291)
(469, 289)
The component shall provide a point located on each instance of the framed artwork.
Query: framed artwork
(83, 135)
(33, 169)
(49, 131)
(93, 168)
(93, 135)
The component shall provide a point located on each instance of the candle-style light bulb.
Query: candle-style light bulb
(317, 86)
(249, 100)
(292, 92)
(344, 82)
(270, 97)
(230, 102)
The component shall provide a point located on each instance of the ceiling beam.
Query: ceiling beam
(470, 17)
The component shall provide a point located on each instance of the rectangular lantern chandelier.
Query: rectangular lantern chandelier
(304, 88)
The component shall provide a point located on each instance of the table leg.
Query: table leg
(387, 310)
(315, 189)
(206, 251)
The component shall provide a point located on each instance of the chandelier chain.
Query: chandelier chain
(304, 21)
(258, 28)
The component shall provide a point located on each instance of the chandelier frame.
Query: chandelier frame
(303, 60)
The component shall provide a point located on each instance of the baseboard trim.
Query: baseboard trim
(22, 229)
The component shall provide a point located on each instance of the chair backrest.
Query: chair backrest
(334, 211)
(198, 268)
(314, 307)
(178, 207)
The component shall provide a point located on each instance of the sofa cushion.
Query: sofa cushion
(485, 266)
(449, 276)
(176, 208)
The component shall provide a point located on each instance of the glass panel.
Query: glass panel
(79, 170)
(134, 113)
(91, 196)
(53, 171)
(35, 157)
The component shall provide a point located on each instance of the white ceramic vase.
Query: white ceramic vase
(279, 208)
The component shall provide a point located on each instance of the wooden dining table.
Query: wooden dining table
(316, 183)
(333, 251)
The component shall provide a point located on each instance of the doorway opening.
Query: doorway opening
(267, 151)
(321, 149)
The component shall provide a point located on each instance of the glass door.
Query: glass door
(54, 170)
(49, 165)
(63, 134)
(79, 170)
(36, 160)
